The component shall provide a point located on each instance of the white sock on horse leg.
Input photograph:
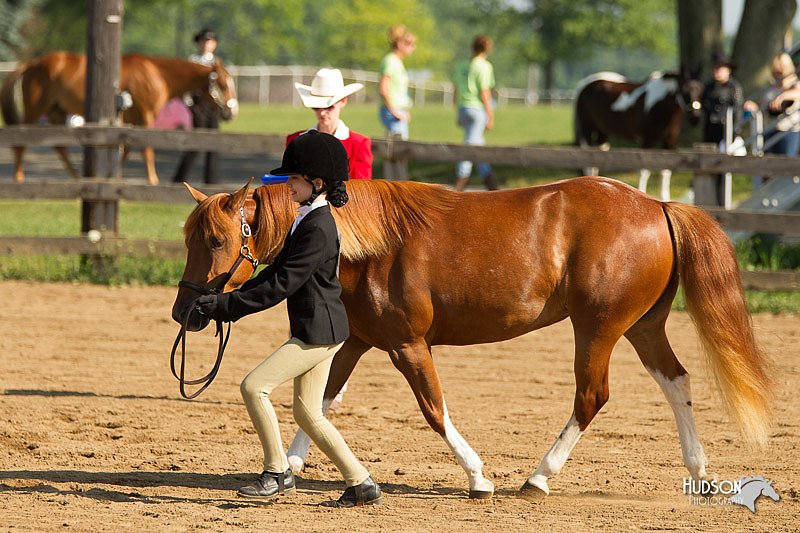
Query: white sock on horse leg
(337, 400)
(298, 450)
(553, 461)
(644, 175)
(466, 457)
(666, 175)
(678, 392)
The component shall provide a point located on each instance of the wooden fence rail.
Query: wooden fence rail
(523, 156)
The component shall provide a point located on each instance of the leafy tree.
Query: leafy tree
(61, 25)
(13, 16)
(761, 36)
(353, 33)
(557, 31)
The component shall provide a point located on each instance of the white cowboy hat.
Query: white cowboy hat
(326, 89)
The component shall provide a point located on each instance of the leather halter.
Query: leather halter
(218, 288)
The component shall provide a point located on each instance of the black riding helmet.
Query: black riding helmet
(316, 155)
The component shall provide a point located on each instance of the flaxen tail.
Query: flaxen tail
(712, 286)
(8, 104)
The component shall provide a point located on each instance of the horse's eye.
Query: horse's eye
(215, 243)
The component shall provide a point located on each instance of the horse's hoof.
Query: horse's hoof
(531, 492)
(481, 494)
(296, 464)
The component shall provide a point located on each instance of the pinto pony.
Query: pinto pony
(54, 85)
(422, 265)
(650, 113)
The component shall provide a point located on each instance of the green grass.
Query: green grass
(514, 125)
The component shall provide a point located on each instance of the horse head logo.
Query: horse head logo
(752, 488)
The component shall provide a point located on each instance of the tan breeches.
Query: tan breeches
(308, 365)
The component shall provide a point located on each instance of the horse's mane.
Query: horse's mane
(376, 219)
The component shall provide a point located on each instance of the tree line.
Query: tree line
(565, 39)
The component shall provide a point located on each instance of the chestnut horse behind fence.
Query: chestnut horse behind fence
(54, 85)
(650, 113)
(422, 265)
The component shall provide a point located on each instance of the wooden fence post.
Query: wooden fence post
(394, 167)
(704, 185)
(103, 36)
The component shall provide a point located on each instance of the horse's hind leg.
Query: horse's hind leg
(19, 153)
(644, 176)
(149, 157)
(666, 177)
(649, 339)
(414, 361)
(341, 368)
(592, 355)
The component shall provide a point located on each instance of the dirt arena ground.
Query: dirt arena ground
(94, 435)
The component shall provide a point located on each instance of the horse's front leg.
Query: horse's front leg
(62, 152)
(416, 364)
(342, 367)
(150, 164)
(593, 345)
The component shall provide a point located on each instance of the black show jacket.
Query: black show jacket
(305, 275)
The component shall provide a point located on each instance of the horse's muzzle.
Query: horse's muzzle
(196, 321)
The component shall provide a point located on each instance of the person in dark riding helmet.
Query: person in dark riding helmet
(305, 274)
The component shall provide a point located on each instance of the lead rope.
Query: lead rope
(208, 378)
(244, 253)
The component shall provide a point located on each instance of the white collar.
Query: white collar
(304, 210)
(342, 131)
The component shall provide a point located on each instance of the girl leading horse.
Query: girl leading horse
(590, 249)
(54, 86)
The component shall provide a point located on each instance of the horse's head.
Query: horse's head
(222, 92)
(692, 93)
(218, 241)
(769, 491)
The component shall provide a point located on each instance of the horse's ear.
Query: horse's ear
(237, 199)
(197, 195)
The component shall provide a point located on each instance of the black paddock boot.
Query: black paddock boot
(269, 485)
(367, 493)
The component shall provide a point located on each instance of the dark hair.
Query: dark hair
(204, 35)
(337, 193)
(481, 44)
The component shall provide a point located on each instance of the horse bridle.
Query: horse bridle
(687, 107)
(218, 288)
(216, 94)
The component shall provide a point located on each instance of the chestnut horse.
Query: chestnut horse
(422, 265)
(650, 113)
(54, 85)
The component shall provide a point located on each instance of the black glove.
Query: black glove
(208, 305)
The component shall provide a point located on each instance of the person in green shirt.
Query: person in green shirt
(474, 81)
(393, 82)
